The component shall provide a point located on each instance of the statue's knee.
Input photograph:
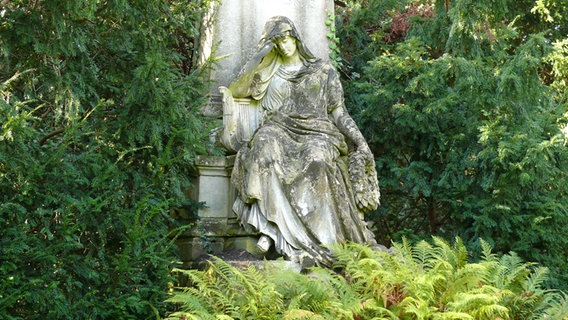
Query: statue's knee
(318, 154)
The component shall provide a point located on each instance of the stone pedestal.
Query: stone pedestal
(216, 229)
(215, 190)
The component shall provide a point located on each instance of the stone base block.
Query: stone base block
(247, 243)
(192, 248)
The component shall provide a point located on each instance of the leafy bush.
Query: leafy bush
(425, 281)
(463, 106)
(99, 128)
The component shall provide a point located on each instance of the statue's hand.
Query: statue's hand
(365, 151)
(264, 48)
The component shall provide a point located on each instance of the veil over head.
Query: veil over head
(254, 77)
(279, 26)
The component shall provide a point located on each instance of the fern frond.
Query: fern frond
(313, 293)
(343, 256)
(378, 283)
(374, 311)
(347, 295)
(456, 255)
(423, 255)
(296, 301)
(461, 251)
(299, 314)
(557, 308)
(423, 286)
(469, 277)
(451, 315)
(228, 274)
(515, 269)
(225, 290)
(419, 309)
(479, 305)
(403, 252)
(535, 281)
(190, 301)
(181, 315)
(487, 254)
(493, 311)
(202, 297)
(192, 306)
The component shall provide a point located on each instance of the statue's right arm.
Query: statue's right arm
(241, 87)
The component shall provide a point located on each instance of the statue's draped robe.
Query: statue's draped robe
(292, 178)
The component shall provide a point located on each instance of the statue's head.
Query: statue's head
(279, 27)
(254, 77)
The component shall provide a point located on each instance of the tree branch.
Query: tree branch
(51, 135)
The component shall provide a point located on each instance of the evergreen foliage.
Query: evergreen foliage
(429, 280)
(463, 103)
(99, 127)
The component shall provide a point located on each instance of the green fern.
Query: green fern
(416, 308)
(483, 304)
(298, 314)
(223, 290)
(308, 293)
(557, 306)
(450, 315)
(423, 281)
(195, 299)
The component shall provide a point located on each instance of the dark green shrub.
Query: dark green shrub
(99, 127)
(463, 107)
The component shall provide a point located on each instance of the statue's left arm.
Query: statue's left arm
(361, 162)
(341, 117)
(349, 128)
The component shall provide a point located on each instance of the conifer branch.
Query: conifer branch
(51, 135)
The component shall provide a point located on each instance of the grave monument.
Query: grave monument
(299, 174)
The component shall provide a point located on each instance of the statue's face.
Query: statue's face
(286, 45)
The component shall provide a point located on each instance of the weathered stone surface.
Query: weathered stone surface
(216, 222)
(192, 248)
(241, 118)
(233, 28)
(307, 175)
(243, 260)
(241, 242)
(213, 186)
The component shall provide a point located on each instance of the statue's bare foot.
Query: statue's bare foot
(264, 243)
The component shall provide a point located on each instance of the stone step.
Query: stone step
(241, 259)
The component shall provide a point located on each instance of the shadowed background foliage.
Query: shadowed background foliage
(99, 128)
(463, 102)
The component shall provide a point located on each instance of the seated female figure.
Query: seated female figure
(293, 178)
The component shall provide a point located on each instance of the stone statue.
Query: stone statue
(303, 173)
